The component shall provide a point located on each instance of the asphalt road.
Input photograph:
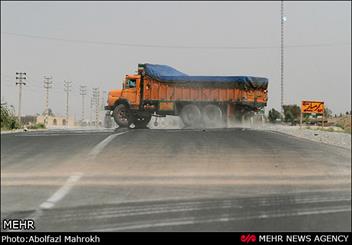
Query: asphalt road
(174, 180)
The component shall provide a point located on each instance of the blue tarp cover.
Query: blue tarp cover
(164, 73)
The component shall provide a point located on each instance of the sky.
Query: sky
(97, 43)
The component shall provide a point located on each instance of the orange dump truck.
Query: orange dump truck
(160, 90)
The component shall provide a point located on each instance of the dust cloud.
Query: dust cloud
(175, 122)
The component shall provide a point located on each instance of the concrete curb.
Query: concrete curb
(22, 131)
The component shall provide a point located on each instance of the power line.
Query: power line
(173, 46)
(35, 89)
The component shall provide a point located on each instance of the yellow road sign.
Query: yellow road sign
(312, 107)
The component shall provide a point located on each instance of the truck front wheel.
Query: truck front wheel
(122, 116)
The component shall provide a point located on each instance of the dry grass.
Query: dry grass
(344, 123)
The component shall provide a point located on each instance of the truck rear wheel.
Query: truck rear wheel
(212, 116)
(122, 116)
(142, 122)
(191, 115)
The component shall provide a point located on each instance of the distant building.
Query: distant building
(28, 120)
(57, 121)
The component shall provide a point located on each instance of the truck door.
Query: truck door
(131, 91)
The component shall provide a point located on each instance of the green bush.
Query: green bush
(292, 113)
(41, 125)
(37, 126)
(7, 119)
(273, 115)
(344, 123)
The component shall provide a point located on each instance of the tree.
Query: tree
(274, 115)
(8, 120)
(291, 113)
(327, 112)
(50, 113)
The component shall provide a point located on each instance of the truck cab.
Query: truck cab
(124, 103)
(129, 93)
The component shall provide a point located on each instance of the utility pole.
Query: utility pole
(103, 97)
(103, 102)
(3, 102)
(91, 110)
(96, 94)
(67, 89)
(47, 85)
(20, 76)
(83, 92)
(282, 56)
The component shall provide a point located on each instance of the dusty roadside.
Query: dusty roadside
(333, 138)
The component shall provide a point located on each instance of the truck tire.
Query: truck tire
(191, 115)
(122, 116)
(212, 116)
(142, 122)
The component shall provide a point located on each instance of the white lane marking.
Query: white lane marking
(62, 192)
(61, 133)
(190, 221)
(222, 218)
(114, 213)
(100, 146)
(50, 135)
(104, 215)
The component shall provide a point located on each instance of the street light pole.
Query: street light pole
(282, 56)
(20, 76)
